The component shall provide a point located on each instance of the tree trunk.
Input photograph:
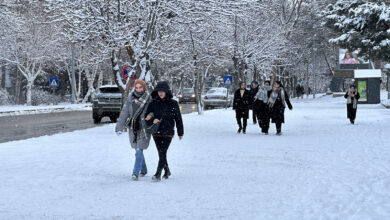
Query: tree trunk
(2, 77)
(28, 92)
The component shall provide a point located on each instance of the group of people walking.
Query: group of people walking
(267, 103)
(140, 113)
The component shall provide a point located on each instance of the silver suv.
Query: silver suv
(108, 102)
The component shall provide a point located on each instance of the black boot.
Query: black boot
(245, 124)
(279, 129)
(167, 172)
(244, 130)
(239, 125)
(157, 176)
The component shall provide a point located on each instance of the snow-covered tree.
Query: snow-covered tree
(33, 42)
(361, 24)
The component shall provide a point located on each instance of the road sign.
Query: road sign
(53, 82)
(228, 80)
(125, 73)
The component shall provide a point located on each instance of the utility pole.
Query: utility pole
(73, 87)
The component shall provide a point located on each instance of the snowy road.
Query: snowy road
(24, 126)
(321, 168)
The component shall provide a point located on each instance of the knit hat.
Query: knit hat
(141, 82)
(352, 86)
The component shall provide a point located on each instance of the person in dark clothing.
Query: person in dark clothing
(277, 100)
(164, 110)
(352, 97)
(241, 102)
(300, 91)
(253, 91)
(261, 105)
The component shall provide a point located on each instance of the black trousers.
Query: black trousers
(254, 113)
(278, 127)
(351, 112)
(162, 144)
(242, 114)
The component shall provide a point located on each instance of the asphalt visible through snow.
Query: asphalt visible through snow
(13, 128)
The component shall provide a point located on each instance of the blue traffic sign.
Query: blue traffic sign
(228, 80)
(53, 81)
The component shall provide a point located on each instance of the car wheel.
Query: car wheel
(97, 120)
(113, 119)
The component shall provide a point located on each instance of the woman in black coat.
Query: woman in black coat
(277, 100)
(261, 106)
(242, 100)
(352, 97)
(165, 110)
(253, 91)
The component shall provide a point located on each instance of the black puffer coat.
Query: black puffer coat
(166, 109)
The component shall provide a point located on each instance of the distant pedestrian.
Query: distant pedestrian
(164, 112)
(352, 97)
(253, 91)
(132, 117)
(262, 108)
(300, 91)
(278, 98)
(241, 102)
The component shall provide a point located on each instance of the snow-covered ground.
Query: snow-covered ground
(321, 168)
(27, 110)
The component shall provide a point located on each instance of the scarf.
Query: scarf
(349, 99)
(275, 94)
(139, 99)
(262, 94)
(242, 91)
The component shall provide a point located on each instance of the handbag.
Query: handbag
(152, 129)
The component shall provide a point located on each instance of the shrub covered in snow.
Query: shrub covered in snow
(361, 24)
(40, 97)
(5, 98)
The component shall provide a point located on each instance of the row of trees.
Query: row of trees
(182, 41)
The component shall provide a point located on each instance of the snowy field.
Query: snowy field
(11, 110)
(321, 168)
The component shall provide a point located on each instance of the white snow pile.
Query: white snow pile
(320, 168)
(10, 110)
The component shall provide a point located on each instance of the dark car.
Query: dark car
(187, 95)
(108, 102)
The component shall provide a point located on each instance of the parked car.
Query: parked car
(187, 95)
(108, 102)
(217, 97)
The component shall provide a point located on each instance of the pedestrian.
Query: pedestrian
(300, 91)
(163, 110)
(132, 117)
(253, 91)
(262, 108)
(277, 100)
(352, 97)
(241, 102)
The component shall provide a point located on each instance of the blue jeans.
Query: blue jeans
(139, 164)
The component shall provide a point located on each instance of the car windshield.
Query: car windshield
(109, 90)
(188, 91)
(217, 91)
